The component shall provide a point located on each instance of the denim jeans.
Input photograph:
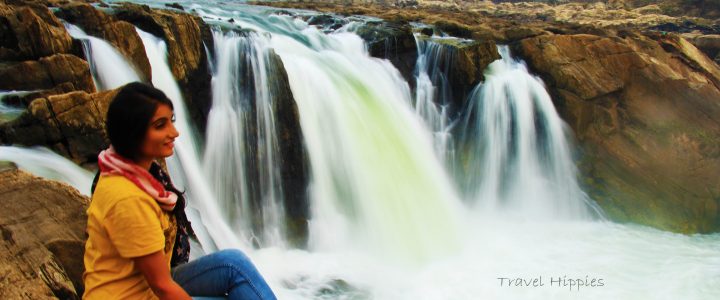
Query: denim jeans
(226, 274)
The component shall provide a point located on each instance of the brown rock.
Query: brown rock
(645, 114)
(29, 31)
(120, 34)
(184, 35)
(47, 73)
(72, 124)
(43, 233)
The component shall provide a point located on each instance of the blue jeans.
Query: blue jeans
(227, 274)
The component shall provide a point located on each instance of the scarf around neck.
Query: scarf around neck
(110, 162)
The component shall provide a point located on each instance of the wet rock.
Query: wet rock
(185, 36)
(175, 5)
(43, 233)
(393, 41)
(71, 124)
(120, 34)
(644, 113)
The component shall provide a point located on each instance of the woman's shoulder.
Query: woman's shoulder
(113, 188)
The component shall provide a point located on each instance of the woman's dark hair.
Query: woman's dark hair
(129, 116)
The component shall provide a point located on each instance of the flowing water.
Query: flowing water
(108, 67)
(388, 219)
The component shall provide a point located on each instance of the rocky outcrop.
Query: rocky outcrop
(185, 36)
(71, 124)
(56, 72)
(120, 34)
(709, 44)
(36, 53)
(294, 161)
(29, 31)
(645, 114)
(43, 235)
(393, 41)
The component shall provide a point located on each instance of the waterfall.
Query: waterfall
(108, 67)
(48, 164)
(395, 200)
(185, 165)
(433, 92)
(242, 150)
(518, 157)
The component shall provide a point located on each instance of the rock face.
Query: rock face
(184, 35)
(294, 161)
(71, 124)
(37, 53)
(43, 235)
(120, 34)
(393, 41)
(29, 31)
(56, 72)
(645, 114)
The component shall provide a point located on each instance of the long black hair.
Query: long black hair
(129, 116)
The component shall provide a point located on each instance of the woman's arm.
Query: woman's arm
(154, 267)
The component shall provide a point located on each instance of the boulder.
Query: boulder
(644, 112)
(393, 41)
(186, 36)
(120, 34)
(71, 124)
(294, 162)
(29, 31)
(56, 72)
(43, 236)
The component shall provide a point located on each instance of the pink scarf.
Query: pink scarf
(112, 163)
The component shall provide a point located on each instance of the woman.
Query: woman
(137, 245)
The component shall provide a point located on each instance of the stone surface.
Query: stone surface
(43, 235)
(71, 124)
(393, 41)
(645, 114)
(56, 72)
(29, 31)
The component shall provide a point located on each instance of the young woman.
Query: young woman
(137, 245)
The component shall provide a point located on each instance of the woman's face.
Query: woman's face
(161, 134)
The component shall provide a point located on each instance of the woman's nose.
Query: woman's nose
(173, 131)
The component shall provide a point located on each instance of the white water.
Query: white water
(230, 143)
(109, 68)
(634, 262)
(46, 163)
(519, 160)
(10, 112)
(185, 165)
(433, 93)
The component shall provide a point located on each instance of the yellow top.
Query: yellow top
(123, 222)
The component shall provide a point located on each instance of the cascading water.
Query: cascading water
(242, 101)
(108, 67)
(367, 148)
(395, 200)
(185, 166)
(10, 112)
(46, 163)
(517, 154)
(433, 92)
